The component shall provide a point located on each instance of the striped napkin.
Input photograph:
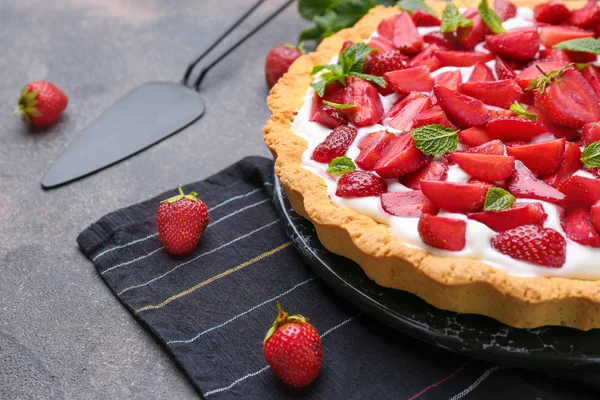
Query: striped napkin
(211, 309)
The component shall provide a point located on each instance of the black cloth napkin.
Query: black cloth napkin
(211, 309)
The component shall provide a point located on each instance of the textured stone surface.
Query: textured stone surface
(62, 333)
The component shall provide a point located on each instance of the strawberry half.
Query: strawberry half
(336, 144)
(373, 150)
(523, 184)
(443, 233)
(474, 136)
(438, 38)
(521, 45)
(532, 72)
(551, 12)
(534, 244)
(423, 18)
(493, 147)
(451, 79)
(428, 58)
(360, 184)
(434, 171)
(578, 227)
(368, 110)
(592, 74)
(403, 113)
(433, 115)
(520, 214)
(580, 191)
(541, 158)
(503, 70)
(381, 62)
(485, 166)
(401, 157)
(481, 72)
(406, 37)
(416, 79)
(407, 204)
(494, 93)
(455, 196)
(385, 28)
(570, 163)
(505, 9)
(463, 111)
(509, 129)
(590, 133)
(554, 34)
(326, 115)
(462, 58)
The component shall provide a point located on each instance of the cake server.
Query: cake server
(144, 116)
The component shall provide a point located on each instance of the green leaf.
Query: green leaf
(452, 19)
(591, 155)
(490, 18)
(340, 165)
(584, 45)
(337, 105)
(353, 58)
(435, 140)
(350, 11)
(319, 87)
(497, 199)
(413, 5)
(520, 110)
(541, 82)
(378, 80)
(335, 68)
(311, 33)
(308, 9)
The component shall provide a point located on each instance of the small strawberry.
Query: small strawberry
(181, 220)
(41, 103)
(534, 244)
(443, 233)
(293, 349)
(381, 62)
(335, 144)
(278, 61)
(360, 184)
(407, 204)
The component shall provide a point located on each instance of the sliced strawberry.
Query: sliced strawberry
(406, 37)
(581, 57)
(541, 158)
(475, 36)
(474, 136)
(433, 115)
(553, 34)
(578, 227)
(435, 171)
(455, 196)
(495, 93)
(380, 44)
(558, 131)
(481, 72)
(438, 38)
(520, 214)
(326, 115)
(587, 16)
(423, 18)
(449, 79)
(427, 57)
(373, 148)
(570, 163)
(485, 166)
(521, 45)
(580, 191)
(401, 157)
(595, 214)
(463, 111)
(569, 101)
(417, 79)
(335, 144)
(513, 128)
(503, 70)
(462, 58)
(551, 12)
(492, 148)
(530, 73)
(385, 61)
(443, 233)
(385, 28)
(590, 133)
(476, 181)
(553, 55)
(360, 184)
(534, 244)
(523, 184)
(407, 204)
(592, 74)
(497, 112)
(402, 117)
(368, 110)
(505, 9)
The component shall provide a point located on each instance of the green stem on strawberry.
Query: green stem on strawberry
(193, 196)
(282, 319)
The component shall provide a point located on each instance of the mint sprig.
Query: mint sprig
(490, 17)
(350, 63)
(497, 199)
(340, 165)
(590, 156)
(520, 110)
(452, 19)
(435, 140)
(411, 6)
(582, 45)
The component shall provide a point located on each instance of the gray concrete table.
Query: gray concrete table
(63, 335)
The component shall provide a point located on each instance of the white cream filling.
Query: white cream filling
(582, 262)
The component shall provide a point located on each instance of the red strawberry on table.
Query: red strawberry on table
(578, 226)
(41, 103)
(443, 233)
(411, 203)
(454, 196)
(293, 349)
(278, 61)
(541, 158)
(519, 214)
(360, 184)
(181, 220)
(534, 244)
(335, 144)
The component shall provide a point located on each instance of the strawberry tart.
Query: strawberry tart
(452, 150)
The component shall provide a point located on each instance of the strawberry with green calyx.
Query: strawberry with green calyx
(181, 220)
(41, 103)
(293, 349)
(279, 59)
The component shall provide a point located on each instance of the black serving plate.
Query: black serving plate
(561, 351)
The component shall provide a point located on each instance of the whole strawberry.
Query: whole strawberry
(41, 103)
(293, 349)
(279, 60)
(181, 221)
(532, 243)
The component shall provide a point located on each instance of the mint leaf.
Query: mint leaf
(336, 69)
(520, 110)
(413, 5)
(319, 87)
(378, 80)
(337, 105)
(340, 165)
(490, 18)
(497, 199)
(353, 58)
(591, 155)
(585, 45)
(452, 19)
(435, 140)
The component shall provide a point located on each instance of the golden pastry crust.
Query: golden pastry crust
(457, 284)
